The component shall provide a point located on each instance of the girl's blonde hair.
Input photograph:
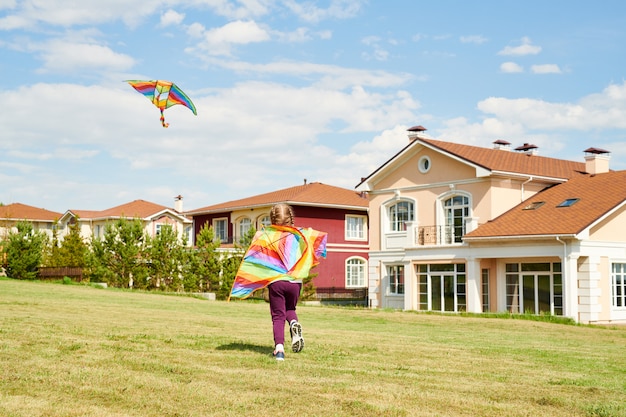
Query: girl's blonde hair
(282, 215)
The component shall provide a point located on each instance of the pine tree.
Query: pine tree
(24, 251)
(119, 257)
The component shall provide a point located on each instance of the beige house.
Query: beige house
(41, 219)
(462, 228)
(153, 216)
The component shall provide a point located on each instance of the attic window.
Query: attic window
(569, 202)
(535, 205)
(424, 164)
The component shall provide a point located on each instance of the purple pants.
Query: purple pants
(283, 299)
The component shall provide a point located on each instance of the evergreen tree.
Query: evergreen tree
(119, 257)
(166, 260)
(51, 252)
(230, 265)
(72, 250)
(206, 263)
(24, 251)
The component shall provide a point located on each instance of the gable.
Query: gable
(410, 170)
(485, 161)
(611, 228)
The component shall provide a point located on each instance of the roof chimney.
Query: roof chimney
(597, 161)
(178, 203)
(502, 145)
(415, 131)
(528, 149)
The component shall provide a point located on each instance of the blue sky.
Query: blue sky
(287, 90)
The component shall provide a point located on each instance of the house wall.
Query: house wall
(331, 272)
(489, 197)
(200, 220)
(610, 229)
(9, 227)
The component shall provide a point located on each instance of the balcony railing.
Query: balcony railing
(439, 235)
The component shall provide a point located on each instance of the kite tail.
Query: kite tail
(163, 119)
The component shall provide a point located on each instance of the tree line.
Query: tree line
(127, 257)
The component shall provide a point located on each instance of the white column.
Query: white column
(410, 288)
(589, 291)
(374, 284)
(472, 286)
(570, 287)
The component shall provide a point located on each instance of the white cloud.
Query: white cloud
(370, 154)
(511, 67)
(171, 17)
(338, 9)
(218, 41)
(546, 69)
(546, 124)
(329, 76)
(66, 57)
(30, 14)
(377, 53)
(477, 39)
(526, 48)
(247, 9)
(301, 34)
(325, 34)
(7, 4)
(539, 114)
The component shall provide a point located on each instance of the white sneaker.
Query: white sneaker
(297, 341)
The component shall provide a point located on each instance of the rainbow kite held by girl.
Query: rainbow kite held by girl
(163, 94)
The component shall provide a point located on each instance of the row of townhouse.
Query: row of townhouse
(463, 228)
(92, 223)
(445, 227)
(340, 212)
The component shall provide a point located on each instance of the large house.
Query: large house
(463, 228)
(153, 217)
(41, 219)
(340, 212)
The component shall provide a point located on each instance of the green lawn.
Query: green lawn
(69, 350)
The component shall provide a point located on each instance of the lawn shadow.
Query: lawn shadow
(244, 346)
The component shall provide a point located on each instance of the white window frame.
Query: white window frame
(244, 224)
(442, 217)
(358, 230)
(621, 294)
(217, 221)
(394, 226)
(455, 274)
(395, 279)
(159, 227)
(514, 286)
(264, 221)
(356, 265)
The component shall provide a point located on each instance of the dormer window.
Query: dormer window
(535, 205)
(569, 202)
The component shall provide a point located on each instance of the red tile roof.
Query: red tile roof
(312, 194)
(509, 161)
(497, 160)
(18, 211)
(135, 209)
(598, 195)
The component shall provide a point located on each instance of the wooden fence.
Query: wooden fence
(54, 272)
